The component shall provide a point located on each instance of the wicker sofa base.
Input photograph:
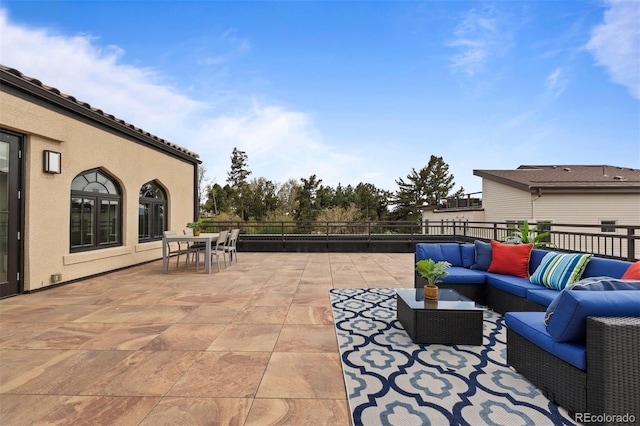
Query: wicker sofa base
(501, 301)
(610, 385)
(559, 381)
(475, 292)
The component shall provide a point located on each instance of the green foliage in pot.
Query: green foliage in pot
(529, 235)
(432, 271)
(194, 225)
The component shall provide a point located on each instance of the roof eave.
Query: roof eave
(95, 115)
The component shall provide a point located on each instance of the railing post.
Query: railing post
(631, 244)
(495, 231)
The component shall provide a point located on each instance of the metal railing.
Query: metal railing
(619, 241)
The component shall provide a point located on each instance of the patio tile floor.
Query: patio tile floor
(252, 344)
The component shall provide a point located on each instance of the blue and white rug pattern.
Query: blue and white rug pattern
(392, 381)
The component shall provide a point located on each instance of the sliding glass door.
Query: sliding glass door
(10, 213)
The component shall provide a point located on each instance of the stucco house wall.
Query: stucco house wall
(46, 239)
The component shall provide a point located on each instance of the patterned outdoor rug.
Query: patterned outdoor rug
(392, 381)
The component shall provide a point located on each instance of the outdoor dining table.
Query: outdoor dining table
(206, 238)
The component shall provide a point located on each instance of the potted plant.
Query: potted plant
(433, 272)
(529, 235)
(195, 226)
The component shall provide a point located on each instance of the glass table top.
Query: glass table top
(447, 300)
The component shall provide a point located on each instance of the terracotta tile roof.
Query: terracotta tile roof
(578, 177)
(98, 113)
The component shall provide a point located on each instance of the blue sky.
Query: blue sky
(350, 91)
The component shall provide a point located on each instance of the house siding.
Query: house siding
(47, 197)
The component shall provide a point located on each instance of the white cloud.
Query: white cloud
(77, 66)
(556, 83)
(479, 37)
(615, 44)
(280, 143)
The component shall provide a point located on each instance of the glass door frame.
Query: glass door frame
(15, 229)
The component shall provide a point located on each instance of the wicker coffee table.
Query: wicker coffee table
(451, 320)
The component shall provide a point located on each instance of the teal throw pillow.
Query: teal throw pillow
(557, 270)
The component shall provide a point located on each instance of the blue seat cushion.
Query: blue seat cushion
(458, 275)
(449, 252)
(543, 296)
(567, 315)
(530, 325)
(517, 286)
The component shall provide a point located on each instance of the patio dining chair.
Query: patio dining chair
(177, 248)
(194, 249)
(217, 250)
(230, 247)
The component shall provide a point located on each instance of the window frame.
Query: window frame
(152, 204)
(608, 226)
(98, 199)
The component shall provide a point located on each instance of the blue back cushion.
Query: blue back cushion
(483, 255)
(566, 322)
(468, 253)
(440, 251)
(600, 267)
(536, 258)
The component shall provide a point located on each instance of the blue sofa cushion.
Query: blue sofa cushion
(483, 255)
(605, 284)
(458, 275)
(530, 325)
(468, 253)
(536, 257)
(566, 317)
(515, 285)
(543, 296)
(449, 252)
(557, 270)
(601, 267)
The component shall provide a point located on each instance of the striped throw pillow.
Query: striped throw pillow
(557, 270)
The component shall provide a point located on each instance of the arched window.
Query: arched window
(96, 211)
(152, 212)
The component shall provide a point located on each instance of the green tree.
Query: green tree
(430, 185)
(307, 208)
(218, 199)
(287, 193)
(261, 198)
(237, 178)
(371, 201)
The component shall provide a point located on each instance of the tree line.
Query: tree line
(260, 199)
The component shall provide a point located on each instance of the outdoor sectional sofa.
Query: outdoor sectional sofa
(586, 358)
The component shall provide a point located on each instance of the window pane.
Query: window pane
(108, 221)
(87, 222)
(78, 183)
(95, 187)
(608, 225)
(143, 221)
(158, 220)
(111, 188)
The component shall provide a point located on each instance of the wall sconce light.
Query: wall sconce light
(52, 162)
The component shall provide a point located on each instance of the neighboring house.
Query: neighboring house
(603, 199)
(81, 191)
(589, 195)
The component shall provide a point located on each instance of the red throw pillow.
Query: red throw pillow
(510, 259)
(633, 273)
